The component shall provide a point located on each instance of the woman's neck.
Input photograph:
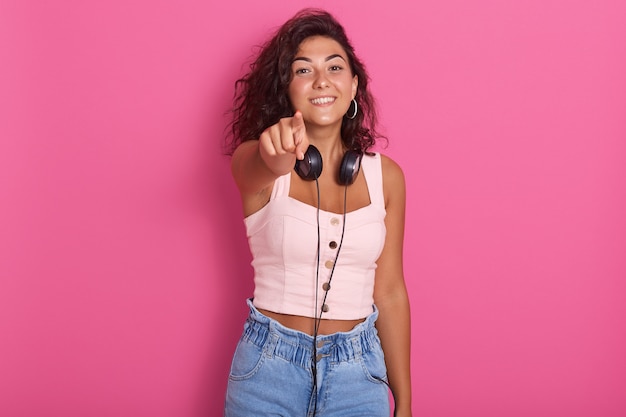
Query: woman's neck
(326, 139)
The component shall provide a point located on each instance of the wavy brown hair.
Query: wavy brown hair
(261, 96)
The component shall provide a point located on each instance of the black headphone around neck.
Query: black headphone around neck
(310, 168)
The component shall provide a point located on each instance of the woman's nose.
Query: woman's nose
(321, 81)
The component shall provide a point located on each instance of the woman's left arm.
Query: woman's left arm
(390, 294)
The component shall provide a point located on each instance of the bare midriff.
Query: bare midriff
(307, 324)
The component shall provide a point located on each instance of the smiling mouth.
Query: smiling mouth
(323, 100)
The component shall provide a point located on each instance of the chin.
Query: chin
(324, 121)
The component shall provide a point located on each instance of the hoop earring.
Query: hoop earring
(356, 110)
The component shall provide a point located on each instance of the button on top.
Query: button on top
(334, 221)
(332, 244)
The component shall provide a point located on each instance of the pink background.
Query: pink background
(123, 260)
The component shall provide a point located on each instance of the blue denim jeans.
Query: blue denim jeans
(272, 372)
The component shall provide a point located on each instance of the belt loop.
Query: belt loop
(356, 346)
(270, 345)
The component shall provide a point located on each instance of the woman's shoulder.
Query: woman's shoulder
(394, 188)
(391, 169)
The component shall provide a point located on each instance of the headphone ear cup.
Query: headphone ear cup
(350, 167)
(310, 168)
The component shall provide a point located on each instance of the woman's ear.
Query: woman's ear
(355, 85)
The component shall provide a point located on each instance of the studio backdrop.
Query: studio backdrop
(124, 265)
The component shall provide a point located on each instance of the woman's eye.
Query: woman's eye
(302, 71)
(336, 68)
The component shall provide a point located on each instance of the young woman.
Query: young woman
(325, 221)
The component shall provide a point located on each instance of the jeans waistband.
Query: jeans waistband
(297, 347)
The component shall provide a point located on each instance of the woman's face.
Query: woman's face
(322, 84)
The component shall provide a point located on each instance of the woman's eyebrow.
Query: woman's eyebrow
(328, 58)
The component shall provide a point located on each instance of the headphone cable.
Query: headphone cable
(318, 318)
(315, 325)
(332, 271)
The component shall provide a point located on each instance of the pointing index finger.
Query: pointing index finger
(299, 134)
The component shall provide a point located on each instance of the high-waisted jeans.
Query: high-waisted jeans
(272, 372)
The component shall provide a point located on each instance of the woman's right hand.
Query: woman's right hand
(283, 142)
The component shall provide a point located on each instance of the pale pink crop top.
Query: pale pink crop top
(283, 241)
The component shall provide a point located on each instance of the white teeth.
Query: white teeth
(323, 100)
